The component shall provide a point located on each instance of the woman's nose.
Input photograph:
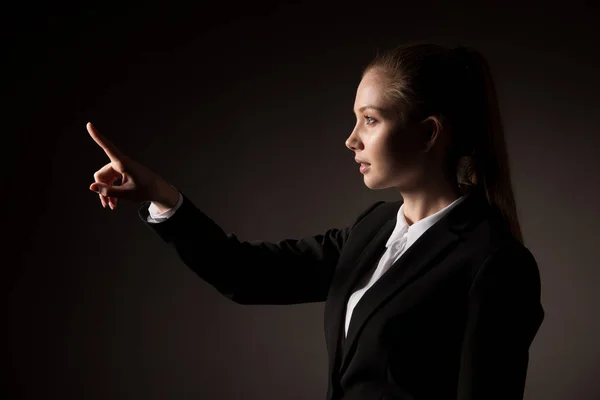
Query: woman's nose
(352, 142)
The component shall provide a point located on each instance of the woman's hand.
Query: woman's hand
(138, 183)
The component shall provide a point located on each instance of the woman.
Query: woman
(431, 297)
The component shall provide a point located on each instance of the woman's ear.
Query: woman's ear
(432, 130)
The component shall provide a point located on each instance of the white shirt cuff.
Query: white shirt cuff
(156, 217)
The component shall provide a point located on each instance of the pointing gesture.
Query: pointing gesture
(138, 183)
(111, 150)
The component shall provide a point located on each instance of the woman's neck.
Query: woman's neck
(420, 204)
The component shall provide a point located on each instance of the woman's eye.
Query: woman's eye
(370, 120)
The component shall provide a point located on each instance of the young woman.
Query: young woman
(431, 297)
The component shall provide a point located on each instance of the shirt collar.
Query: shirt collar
(414, 231)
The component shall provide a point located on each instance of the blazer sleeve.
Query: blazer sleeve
(504, 315)
(289, 271)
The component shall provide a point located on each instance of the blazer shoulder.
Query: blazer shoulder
(495, 237)
(499, 249)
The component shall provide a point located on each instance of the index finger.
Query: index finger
(110, 149)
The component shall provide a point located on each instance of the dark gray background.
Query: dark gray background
(246, 110)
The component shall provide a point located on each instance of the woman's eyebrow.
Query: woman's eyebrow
(369, 106)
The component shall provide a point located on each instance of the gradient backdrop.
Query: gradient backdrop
(246, 109)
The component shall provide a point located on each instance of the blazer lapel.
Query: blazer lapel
(346, 280)
(430, 247)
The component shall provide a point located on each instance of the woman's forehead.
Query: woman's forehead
(371, 92)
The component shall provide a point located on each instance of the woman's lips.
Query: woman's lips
(364, 167)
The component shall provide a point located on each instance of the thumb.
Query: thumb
(99, 188)
(106, 190)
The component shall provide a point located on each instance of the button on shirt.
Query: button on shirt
(399, 241)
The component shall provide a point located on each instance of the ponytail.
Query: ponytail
(488, 169)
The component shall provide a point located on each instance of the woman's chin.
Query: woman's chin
(373, 183)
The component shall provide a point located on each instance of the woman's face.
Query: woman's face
(391, 152)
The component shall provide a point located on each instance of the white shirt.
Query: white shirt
(402, 237)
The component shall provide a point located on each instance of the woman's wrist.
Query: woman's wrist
(166, 196)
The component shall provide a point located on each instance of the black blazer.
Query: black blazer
(453, 318)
